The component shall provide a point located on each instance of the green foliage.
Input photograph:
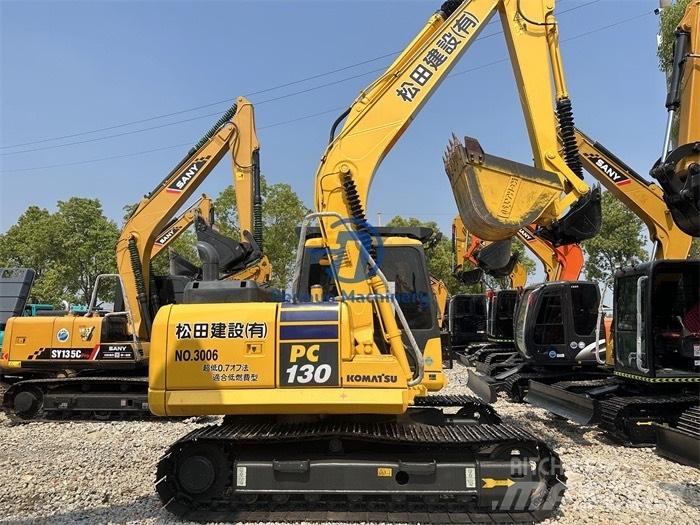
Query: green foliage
(283, 211)
(670, 18)
(67, 249)
(88, 245)
(619, 242)
(34, 242)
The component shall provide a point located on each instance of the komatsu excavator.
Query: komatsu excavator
(652, 393)
(327, 401)
(95, 364)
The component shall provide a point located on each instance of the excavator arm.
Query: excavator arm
(155, 211)
(203, 207)
(561, 263)
(678, 170)
(643, 197)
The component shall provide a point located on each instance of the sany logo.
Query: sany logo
(614, 175)
(525, 234)
(167, 235)
(179, 184)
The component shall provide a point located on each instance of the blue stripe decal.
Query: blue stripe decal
(309, 315)
(302, 332)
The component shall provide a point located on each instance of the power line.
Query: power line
(211, 104)
(304, 117)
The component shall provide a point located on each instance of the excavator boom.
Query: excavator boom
(678, 170)
(643, 197)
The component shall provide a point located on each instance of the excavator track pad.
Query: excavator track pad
(363, 469)
(495, 196)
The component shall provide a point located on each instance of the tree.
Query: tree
(67, 249)
(88, 239)
(619, 241)
(283, 211)
(695, 249)
(670, 18)
(35, 242)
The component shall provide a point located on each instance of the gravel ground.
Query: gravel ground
(56, 473)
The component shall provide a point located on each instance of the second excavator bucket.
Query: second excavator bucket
(495, 256)
(233, 255)
(581, 222)
(470, 277)
(505, 271)
(495, 196)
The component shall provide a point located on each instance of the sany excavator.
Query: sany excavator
(651, 394)
(96, 364)
(327, 401)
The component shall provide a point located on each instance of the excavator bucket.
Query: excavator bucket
(581, 222)
(494, 256)
(505, 271)
(179, 265)
(470, 277)
(495, 196)
(233, 255)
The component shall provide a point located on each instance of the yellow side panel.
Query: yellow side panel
(280, 401)
(214, 346)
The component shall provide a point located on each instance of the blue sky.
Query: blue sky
(70, 67)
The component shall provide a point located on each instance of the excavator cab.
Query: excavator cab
(400, 256)
(499, 321)
(657, 320)
(555, 323)
(467, 320)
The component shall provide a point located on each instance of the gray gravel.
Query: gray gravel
(56, 473)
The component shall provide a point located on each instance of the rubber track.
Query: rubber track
(476, 436)
(616, 410)
(689, 422)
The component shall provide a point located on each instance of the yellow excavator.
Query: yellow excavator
(327, 400)
(651, 393)
(95, 364)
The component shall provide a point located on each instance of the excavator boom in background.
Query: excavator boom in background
(203, 207)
